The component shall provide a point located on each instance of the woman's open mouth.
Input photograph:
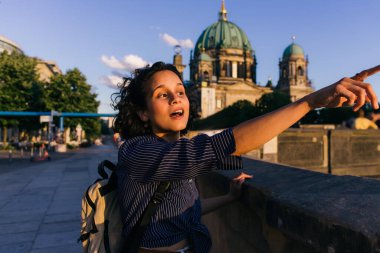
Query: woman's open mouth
(177, 114)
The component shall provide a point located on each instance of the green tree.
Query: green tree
(228, 117)
(242, 110)
(70, 92)
(329, 116)
(19, 88)
(272, 101)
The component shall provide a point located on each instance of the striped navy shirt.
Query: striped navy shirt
(145, 161)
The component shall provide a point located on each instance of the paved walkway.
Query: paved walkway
(40, 203)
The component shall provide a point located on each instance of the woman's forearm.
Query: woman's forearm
(255, 132)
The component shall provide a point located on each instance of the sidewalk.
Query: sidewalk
(40, 204)
(22, 161)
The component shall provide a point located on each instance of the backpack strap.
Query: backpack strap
(108, 165)
(112, 181)
(110, 186)
(157, 198)
(140, 227)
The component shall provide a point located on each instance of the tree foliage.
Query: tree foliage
(19, 87)
(272, 101)
(329, 116)
(21, 90)
(228, 117)
(242, 110)
(71, 93)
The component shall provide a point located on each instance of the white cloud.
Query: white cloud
(129, 63)
(133, 62)
(112, 62)
(187, 43)
(171, 41)
(121, 68)
(111, 81)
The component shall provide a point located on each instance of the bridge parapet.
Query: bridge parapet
(284, 209)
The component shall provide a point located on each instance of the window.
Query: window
(284, 72)
(218, 103)
(300, 71)
(205, 76)
(228, 69)
(234, 69)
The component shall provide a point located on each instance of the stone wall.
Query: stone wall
(355, 152)
(289, 210)
(307, 148)
(340, 152)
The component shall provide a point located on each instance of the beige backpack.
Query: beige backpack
(102, 227)
(101, 230)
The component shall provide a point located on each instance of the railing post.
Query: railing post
(329, 169)
(61, 123)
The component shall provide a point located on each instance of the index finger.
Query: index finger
(370, 93)
(243, 176)
(366, 73)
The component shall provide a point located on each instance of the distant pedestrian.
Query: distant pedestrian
(363, 123)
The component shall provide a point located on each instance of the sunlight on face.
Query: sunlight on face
(167, 104)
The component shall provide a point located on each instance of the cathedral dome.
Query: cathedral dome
(222, 34)
(293, 49)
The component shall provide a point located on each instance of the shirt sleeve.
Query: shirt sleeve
(230, 163)
(148, 158)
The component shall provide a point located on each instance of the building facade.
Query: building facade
(45, 69)
(223, 68)
(9, 46)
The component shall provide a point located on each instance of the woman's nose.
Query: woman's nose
(175, 99)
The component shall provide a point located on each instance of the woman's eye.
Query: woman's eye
(181, 93)
(162, 95)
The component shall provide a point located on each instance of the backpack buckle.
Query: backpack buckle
(158, 197)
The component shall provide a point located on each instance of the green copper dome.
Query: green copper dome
(292, 49)
(222, 34)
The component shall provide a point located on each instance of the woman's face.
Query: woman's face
(167, 104)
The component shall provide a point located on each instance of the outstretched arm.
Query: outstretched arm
(347, 91)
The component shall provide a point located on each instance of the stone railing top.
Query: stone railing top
(333, 206)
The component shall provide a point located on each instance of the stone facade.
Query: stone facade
(47, 69)
(223, 68)
(9, 46)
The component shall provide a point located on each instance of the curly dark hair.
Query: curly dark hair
(131, 99)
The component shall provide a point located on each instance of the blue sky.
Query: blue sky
(108, 38)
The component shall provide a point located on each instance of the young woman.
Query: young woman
(153, 112)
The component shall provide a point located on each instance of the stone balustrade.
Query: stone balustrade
(289, 210)
(338, 151)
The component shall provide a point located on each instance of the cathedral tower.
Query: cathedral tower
(177, 59)
(294, 79)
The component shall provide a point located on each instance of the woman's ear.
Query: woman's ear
(143, 115)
